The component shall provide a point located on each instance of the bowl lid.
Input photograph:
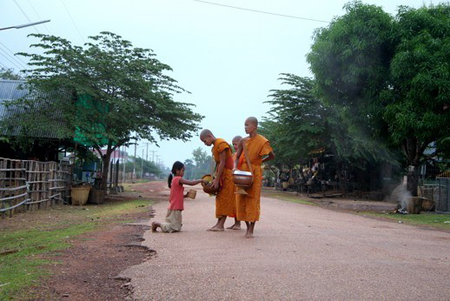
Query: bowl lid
(242, 173)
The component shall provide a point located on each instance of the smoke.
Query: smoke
(401, 196)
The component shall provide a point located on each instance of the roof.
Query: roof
(10, 90)
(13, 90)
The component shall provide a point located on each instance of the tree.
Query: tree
(202, 162)
(297, 122)
(418, 111)
(104, 94)
(149, 167)
(300, 123)
(387, 78)
(9, 74)
(189, 169)
(350, 65)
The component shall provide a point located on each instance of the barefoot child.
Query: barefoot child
(173, 218)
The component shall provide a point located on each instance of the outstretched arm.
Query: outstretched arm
(188, 182)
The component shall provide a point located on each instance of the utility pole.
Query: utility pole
(146, 156)
(124, 151)
(134, 163)
(142, 175)
(153, 156)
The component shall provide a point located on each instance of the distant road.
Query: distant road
(299, 252)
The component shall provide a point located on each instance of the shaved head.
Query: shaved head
(253, 120)
(236, 139)
(205, 133)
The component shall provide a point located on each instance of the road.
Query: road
(299, 252)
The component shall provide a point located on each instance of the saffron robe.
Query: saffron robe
(225, 198)
(248, 206)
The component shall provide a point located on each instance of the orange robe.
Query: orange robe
(248, 206)
(225, 198)
(238, 167)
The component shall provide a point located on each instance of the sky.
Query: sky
(228, 58)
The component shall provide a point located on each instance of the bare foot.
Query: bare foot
(214, 229)
(249, 235)
(155, 226)
(235, 227)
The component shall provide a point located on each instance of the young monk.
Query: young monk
(235, 142)
(225, 198)
(259, 151)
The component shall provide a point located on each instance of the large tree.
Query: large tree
(418, 98)
(349, 59)
(387, 77)
(104, 94)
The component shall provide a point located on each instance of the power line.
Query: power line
(261, 12)
(73, 22)
(12, 62)
(26, 16)
(13, 59)
(37, 14)
(17, 57)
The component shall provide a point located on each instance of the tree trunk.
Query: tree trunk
(342, 177)
(105, 169)
(412, 180)
(413, 149)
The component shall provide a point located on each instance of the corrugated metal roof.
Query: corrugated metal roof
(10, 90)
(13, 90)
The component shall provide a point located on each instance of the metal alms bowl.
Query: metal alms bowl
(242, 178)
(208, 187)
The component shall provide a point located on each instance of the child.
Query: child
(173, 218)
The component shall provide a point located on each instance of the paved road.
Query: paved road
(299, 252)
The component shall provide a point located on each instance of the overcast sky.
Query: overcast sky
(228, 58)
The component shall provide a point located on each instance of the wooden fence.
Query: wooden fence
(29, 185)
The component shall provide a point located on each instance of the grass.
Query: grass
(423, 219)
(23, 246)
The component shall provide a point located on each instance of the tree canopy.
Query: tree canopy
(105, 93)
(387, 77)
(296, 122)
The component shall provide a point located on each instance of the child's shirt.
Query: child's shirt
(176, 195)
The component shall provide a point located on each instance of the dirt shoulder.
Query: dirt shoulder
(88, 268)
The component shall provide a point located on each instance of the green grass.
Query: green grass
(422, 219)
(42, 238)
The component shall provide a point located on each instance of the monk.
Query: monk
(225, 198)
(235, 142)
(259, 151)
